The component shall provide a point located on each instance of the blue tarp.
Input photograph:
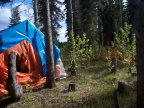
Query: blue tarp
(26, 30)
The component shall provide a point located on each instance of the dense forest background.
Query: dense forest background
(98, 31)
(98, 19)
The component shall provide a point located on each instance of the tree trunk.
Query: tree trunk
(116, 102)
(36, 13)
(14, 89)
(50, 81)
(121, 25)
(70, 18)
(78, 13)
(139, 24)
(70, 31)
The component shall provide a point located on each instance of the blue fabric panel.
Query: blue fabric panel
(26, 30)
(4, 30)
(56, 51)
(12, 36)
(37, 39)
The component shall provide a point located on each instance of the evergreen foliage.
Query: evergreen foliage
(99, 19)
(130, 11)
(88, 19)
(15, 17)
(109, 13)
(56, 16)
(77, 23)
(3, 2)
(84, 18)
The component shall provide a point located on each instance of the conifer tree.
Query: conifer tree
(56, 15)
(69, 21)
(88, 17)
(109, 15)
(130, 11)
(84, 15)
(77, 23)
(15, 17)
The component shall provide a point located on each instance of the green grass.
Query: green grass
(94, 88)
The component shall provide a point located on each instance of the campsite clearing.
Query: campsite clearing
(94, 87)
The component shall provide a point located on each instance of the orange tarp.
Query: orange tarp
(57, 70)
(28, 64)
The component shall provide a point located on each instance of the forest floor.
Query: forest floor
(95, 85)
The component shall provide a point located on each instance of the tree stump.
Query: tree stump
(72, 86)
(129, 70)
(121, 87)
(73, 68)
(116, 102)
(113, 79)
(114, 64)
(14, 89)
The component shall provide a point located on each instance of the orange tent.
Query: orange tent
(29, 45)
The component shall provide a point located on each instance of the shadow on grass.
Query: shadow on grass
(6, 101)
(65, 91)
(130, 78)
(90, 70)
(105, 99)
(38, 88)
(94, 100)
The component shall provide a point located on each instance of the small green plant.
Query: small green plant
(29, 95)
(29, 101)
(94, 51)
(108, 58)
(83, 51)
(26, 85)
(73, 56)
(125, 44)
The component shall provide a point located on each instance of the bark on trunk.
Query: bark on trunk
(77, 12)
(116, 102)
(36, 13)
(70, 18)
(50, 81)
(139, 24)
(14, 89)
(70, 31)
(121, 87)
(72, 86)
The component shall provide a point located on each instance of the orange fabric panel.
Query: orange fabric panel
(29, 64)
(28, 61)
(57, 69)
